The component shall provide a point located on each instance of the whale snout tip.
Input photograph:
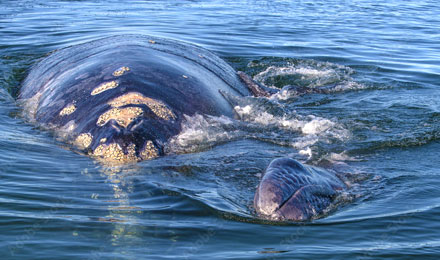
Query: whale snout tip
(267, 203)
(270, 203)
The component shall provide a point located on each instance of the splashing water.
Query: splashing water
(310, 75)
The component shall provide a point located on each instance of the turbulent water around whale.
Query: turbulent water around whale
(358, 95)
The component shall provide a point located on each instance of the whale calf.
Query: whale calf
(290, 190)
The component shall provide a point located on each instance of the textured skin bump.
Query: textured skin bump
(122, 116)
(120, 71)
(114, 153)
(292, 191)
(135, 98)
(149, 151)
(104, 86)
(84, 140)
(69, 109)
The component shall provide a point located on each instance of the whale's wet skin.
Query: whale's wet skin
(292, 191)
(122, 99)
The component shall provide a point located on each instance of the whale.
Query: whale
(120, 99)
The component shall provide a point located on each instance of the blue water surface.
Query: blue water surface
(379, 120)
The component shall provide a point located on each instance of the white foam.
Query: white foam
(341, 157)
(317, 125)
(251, 113)
(306, 152)
(308, 74)
(200, 132)
(303, 72)
(348, 85)
(309, 129)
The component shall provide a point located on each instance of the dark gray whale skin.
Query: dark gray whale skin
(67, 92)
(292, 191)
(121, 98)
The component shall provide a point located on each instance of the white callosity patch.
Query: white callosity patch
(134, 98)
(69, 109)
(121, 71)
(84, 140)
(104, 87)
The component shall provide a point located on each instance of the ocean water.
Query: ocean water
(372, 108)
